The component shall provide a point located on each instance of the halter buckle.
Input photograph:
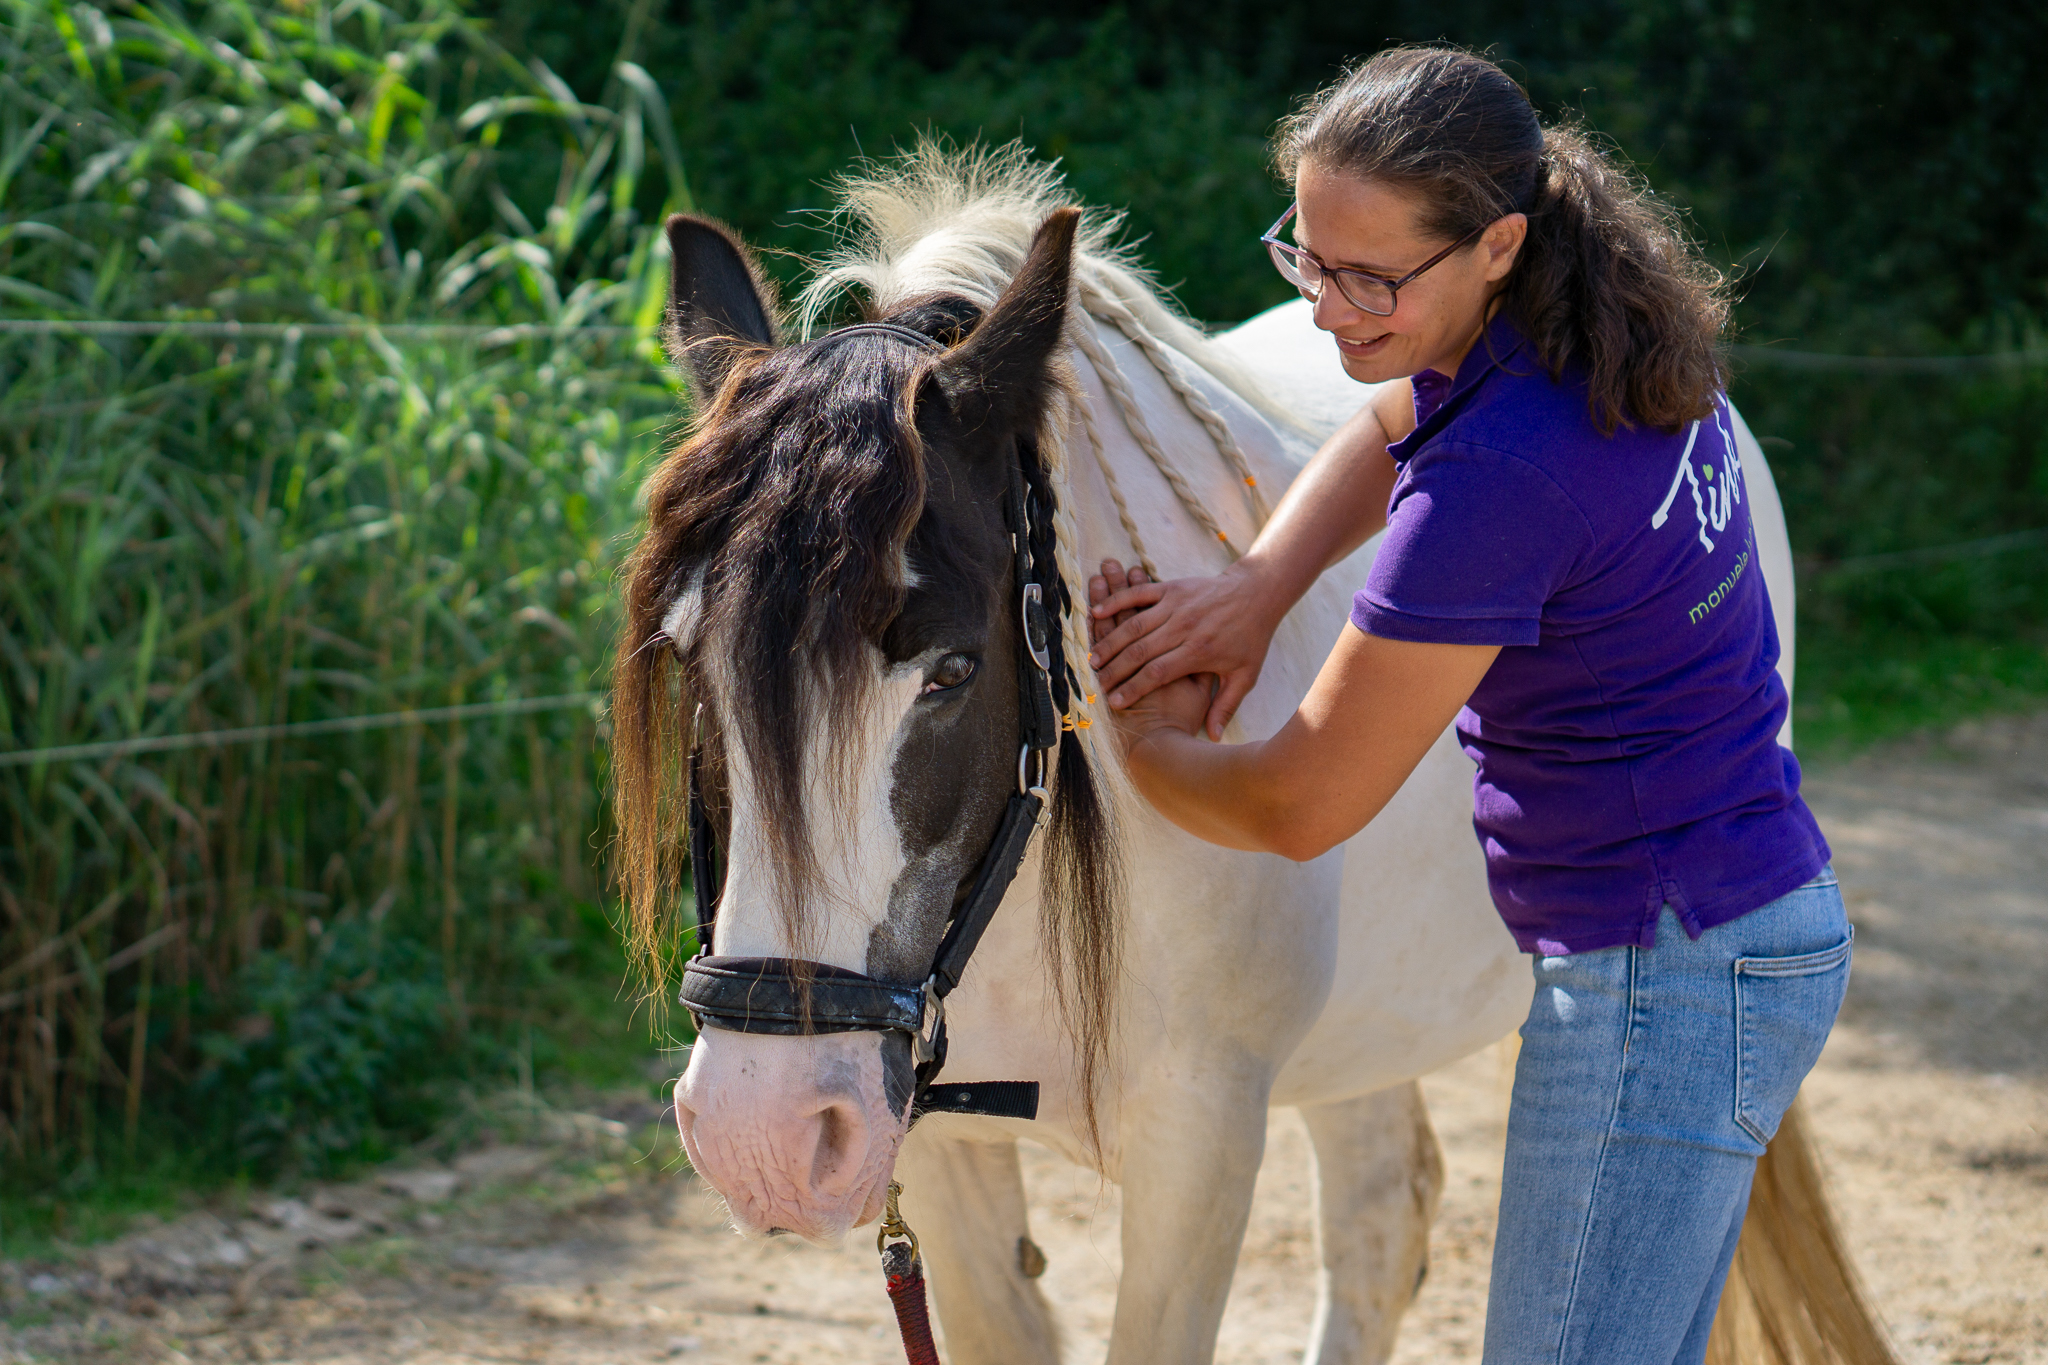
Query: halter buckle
(1037, 629)
(1026, 783)
(924, 1044)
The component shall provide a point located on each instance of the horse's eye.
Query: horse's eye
(952, 671)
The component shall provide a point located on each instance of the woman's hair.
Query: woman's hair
(1606, 280)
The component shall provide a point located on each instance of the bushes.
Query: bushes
(201, 532)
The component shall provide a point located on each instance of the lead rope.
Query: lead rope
(903, 1271)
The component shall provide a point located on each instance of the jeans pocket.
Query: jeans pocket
(1784, 1007)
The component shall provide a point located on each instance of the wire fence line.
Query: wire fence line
(1936, 554)
(488, 333)
(505, 333)
(1996, 362)
(215, 739)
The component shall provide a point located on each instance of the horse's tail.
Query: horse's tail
(1793, 1298)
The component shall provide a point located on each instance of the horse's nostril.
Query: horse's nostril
(842, 1139)
(778, 1232)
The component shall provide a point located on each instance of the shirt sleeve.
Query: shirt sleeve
(1477, 542)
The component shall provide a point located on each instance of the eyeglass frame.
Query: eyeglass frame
(1271, 239)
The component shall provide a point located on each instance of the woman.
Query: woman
(1569, 572)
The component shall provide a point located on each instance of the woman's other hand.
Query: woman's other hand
(1148, 635)
(1181, 704)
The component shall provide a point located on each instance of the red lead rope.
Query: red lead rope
(906, 1291)
(904, 1272)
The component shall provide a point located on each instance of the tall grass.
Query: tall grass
(266, 946)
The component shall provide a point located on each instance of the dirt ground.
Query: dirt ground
(1931, 1107)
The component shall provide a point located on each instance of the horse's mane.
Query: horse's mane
(937, 219)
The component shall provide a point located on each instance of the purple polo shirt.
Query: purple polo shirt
(1626, 736)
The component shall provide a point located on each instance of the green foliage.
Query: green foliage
(307, 1076)
(197, 535)
(1921, 598)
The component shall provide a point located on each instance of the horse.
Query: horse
(821, 659)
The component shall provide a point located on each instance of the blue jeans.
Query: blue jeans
(1649, 1081)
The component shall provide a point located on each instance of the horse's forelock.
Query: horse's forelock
(773, 560)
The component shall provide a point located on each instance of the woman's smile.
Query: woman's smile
(1364, 348)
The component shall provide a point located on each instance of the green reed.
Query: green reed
(270, 942)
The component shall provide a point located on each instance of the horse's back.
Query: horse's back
(1294, 363)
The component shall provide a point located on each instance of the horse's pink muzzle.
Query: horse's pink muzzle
(794, 1132)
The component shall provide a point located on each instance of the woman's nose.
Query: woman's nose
(1333, 310)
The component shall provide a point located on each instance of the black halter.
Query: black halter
(764, 995)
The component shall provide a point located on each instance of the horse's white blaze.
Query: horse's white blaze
(857, 849)
(797, 1130)
(679, 623)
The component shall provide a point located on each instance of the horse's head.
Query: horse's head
(824, 605)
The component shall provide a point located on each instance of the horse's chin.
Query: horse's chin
(827, 1228)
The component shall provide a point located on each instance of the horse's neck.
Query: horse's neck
(1172, 536)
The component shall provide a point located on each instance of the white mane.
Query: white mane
(939, 220)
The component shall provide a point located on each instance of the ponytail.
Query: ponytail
(1606, 282)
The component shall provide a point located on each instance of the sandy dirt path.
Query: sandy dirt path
(1930, 1105)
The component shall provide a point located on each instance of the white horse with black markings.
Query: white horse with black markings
(826, 606)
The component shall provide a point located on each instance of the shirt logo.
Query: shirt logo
(1715, 493)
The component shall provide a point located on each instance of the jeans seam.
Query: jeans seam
(1742, 1064)
(1571, 1297)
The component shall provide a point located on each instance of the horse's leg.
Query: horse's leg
(1190, 1159)
(1378, 1177)
(965, 1200)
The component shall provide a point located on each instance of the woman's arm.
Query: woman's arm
(1223, 625)
(1375, 709)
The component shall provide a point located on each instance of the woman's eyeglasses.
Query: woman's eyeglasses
(1374, 293)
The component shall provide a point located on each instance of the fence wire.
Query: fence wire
(488, 334)
(251, 734)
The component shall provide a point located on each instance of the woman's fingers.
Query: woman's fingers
(1140, 592)
(1171, 666)
(1121, 652)
(1138, 579)
(1237, 685)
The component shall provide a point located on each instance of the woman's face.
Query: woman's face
(1369, 226)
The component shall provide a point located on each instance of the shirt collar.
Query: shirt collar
(1438, 398)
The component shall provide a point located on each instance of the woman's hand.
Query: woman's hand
(1179, 705)
(1148, 635)
(1154, 633)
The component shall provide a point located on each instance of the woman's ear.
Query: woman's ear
(719, 305)
(1502, 243)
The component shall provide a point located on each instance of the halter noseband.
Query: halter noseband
(782, 995)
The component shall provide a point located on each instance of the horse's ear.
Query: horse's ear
(998, 379)
(719, 305)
